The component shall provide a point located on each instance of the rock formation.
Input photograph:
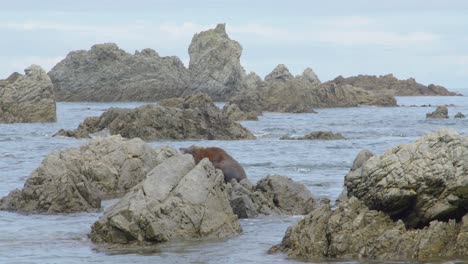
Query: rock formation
(76, 179)
(177, 200)
(353, 231)
(234, 113)
(215, 67)
(317, 135)
(459, 115)
(417, 182)
(390, 85)
(108, 73)
(196, 117)
(27, 98)
(440, 112)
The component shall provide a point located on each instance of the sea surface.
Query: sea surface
(320, 165)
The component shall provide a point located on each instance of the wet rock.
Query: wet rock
(440, 112)
(177, 200)
(390, 85)
(459, 115)
(317, 135)
(417, 182)
(354, 231)
(214, 66)
(108, 73)
(195, 117)
(76, 179)
(27, 98)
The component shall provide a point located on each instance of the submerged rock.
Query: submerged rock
(214, 66)
(417, 182)
(317, 135)
(76, 179)
(196, 117)
(391, 85)
(177, 200)
(353, 231)
(440, 112)
(27, 98)
(459, 115)
(107, 73)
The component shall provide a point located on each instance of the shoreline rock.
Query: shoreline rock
(317, 135)
(459, 115)
(439, 113)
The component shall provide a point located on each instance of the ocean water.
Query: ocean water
(320, 165)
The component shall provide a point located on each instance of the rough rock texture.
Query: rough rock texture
(391, 85)
(27, 98)
(417, 182)
(459, 115)
(317, 135)
(236, 114)
(361, 158)
(176, 200)
(440, 112)
(108, 73)
(353, 231)
(214, 65)
(196, 117)
(76, 179)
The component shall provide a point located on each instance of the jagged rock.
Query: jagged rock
(440, 112)
(459, 115)
(177, 200)
(108, 73)
(273, 195)
(27, 98)
(250, 100)
(361, 158)
(417, 182)
(353, 231)
(76, 179)
(236, 114)
(317, 135)
(196, 117)
(279, 74)
(214, 65)
(391, 85)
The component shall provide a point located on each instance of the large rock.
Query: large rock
(195, 117)
(391, 85)
(440, 112)
(214, 65)
(76, 179)
(317, 135)
(417, 182)
(273, 195)
(27, 98)
(177, 200)
(108, 73)
(353, 231)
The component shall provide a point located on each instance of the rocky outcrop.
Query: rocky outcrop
(27, 98)
(196, 117)
(317, 135)
(440, 112)
(177, 200)
(353, 231)
(234, 113)
(214, 66)
(273, 195)
(76, 179)
(390, 85)
(459, 115)
(108, 73)
(417, 182)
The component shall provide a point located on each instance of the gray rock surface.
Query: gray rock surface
(440, 112)
(353, 231)
(27, 98)
(177, 200)
(391, 85)
(108, 73)
(459, 115)
(196, 117)
(317, 135)
(76, 179)
(417, 182)
(214, 66)
(234, 113)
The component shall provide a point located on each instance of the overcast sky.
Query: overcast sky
(424, 39)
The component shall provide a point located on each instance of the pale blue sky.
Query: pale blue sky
(427, 39)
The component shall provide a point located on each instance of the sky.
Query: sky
(424, 39)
